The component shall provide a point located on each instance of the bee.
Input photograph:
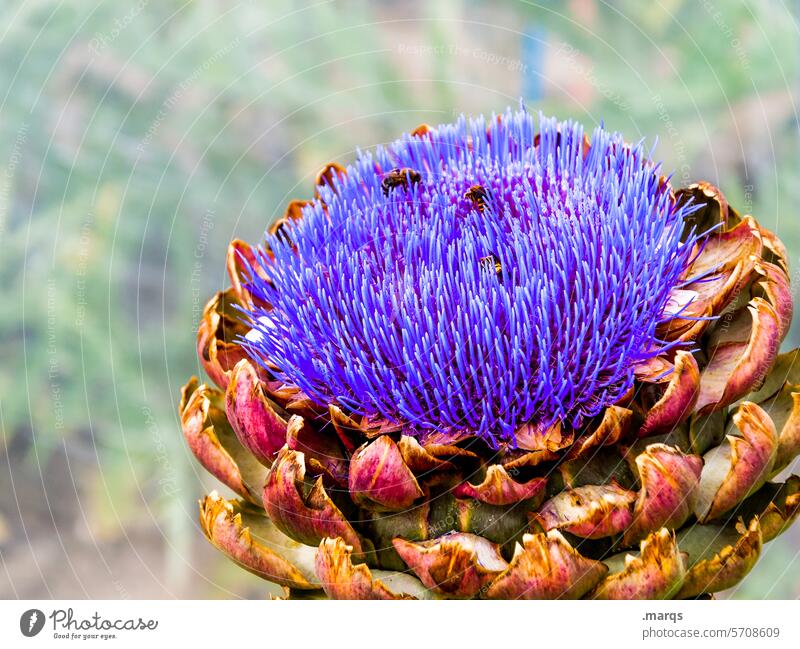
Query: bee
(421, 131)
(479, 195)
(492, 262)
(399, 178)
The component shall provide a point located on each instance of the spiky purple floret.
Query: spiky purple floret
(384, 305)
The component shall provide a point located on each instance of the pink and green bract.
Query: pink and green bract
(415, 302)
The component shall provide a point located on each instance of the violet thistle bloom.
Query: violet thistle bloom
(381, 299)
(500, 362)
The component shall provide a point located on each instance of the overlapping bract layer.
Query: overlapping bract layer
(497, 276)
(668, 492)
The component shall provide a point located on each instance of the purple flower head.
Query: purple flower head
(476, 278)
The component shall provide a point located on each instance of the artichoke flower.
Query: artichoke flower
(497, 359)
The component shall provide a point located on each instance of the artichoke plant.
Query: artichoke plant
(497, 359)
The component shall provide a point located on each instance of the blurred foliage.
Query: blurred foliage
(138, 138)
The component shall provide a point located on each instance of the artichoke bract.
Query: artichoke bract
(500, 359)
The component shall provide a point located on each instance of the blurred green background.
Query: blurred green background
(137, 138)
